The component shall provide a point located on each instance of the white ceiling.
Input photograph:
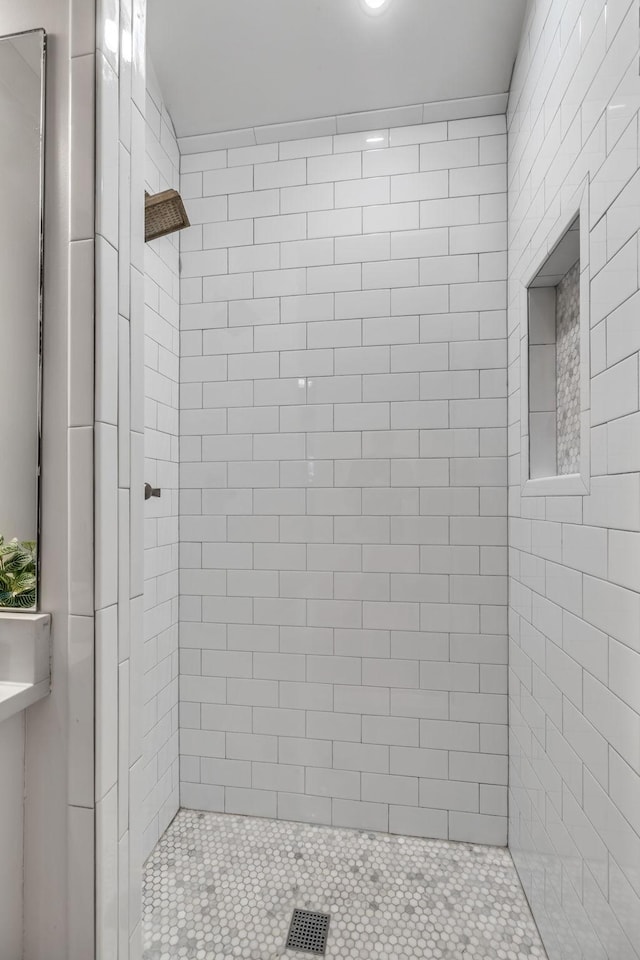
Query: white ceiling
(230, 64)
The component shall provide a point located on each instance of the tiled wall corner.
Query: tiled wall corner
(80, 459)
(343, 480)
(119, 463)
(574, 561)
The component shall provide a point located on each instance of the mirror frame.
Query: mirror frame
(42, 34)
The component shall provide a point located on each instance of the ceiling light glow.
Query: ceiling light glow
(374, 6)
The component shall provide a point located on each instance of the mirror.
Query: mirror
(22, 85)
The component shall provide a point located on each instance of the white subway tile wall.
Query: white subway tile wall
(120, 680)
(574, 652)
(343, 477)
(161, 451)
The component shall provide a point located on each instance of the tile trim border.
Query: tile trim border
(461, 109)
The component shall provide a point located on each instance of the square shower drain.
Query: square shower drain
(308, 931)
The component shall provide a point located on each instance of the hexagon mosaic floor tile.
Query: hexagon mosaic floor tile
(220, 886)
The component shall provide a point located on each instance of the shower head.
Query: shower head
(164, 213)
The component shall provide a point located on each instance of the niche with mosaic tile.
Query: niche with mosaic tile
(554, 360)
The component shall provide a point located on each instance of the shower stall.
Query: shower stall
(359, 642)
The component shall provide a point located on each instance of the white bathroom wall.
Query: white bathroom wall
(11, 861)
(162, 344)
(575, 560)
(121, 684)
(343, 480)
(52, 919)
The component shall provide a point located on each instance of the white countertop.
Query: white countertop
(17, 696)
(24, 660)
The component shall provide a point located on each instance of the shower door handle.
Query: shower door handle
(150, 491)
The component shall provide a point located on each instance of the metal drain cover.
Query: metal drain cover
(308, 931)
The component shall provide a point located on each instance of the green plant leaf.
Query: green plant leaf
(17, 573)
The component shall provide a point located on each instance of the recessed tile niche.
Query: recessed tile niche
(553, 300)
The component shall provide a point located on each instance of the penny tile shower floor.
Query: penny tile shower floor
(220, 886)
